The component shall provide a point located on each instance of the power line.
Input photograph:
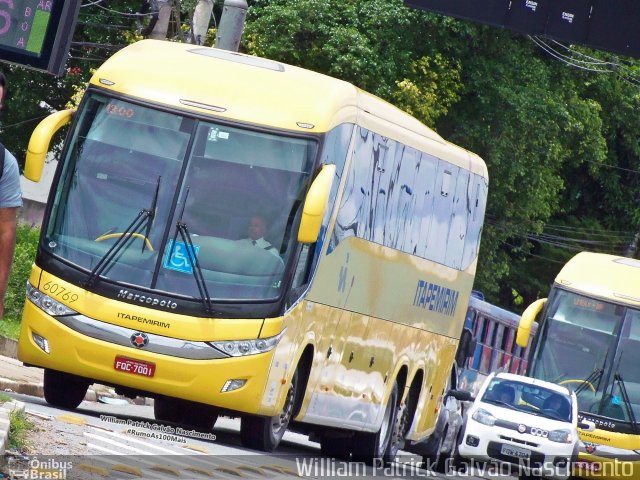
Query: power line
(532, 254)
(589, 64)
(566, 243)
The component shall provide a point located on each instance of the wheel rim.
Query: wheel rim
(280, 422)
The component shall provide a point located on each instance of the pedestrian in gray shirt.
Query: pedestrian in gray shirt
(10, 201)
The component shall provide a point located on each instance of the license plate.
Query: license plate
(515, 451)
(136, 367)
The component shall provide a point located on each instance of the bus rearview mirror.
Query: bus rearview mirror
(526, 321)
(587, 425)
(315, 205)
(40, 140)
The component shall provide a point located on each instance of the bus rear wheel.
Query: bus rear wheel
(265, 433)
(64, 390)
(381, 446)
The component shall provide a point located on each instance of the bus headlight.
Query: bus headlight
(560, 436)
(46, 303)
(484, 417)
(241, 348)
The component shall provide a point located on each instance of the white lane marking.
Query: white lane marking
(132, 439)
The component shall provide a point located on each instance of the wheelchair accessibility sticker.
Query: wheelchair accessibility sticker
(179, 256)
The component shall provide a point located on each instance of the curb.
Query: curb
(8, 347)
(5, 424)
(24, 388)
(94, 393)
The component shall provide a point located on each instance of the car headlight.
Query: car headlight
(46, 303)
(240, 348)
(484, 417)
(560, 436)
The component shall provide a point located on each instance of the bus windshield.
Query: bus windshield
(225, 185)
(577, 348)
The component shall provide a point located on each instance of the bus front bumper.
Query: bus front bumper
(198, 380)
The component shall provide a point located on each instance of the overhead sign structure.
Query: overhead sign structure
(37, 33)
(610, 25)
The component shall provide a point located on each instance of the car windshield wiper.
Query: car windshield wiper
(145, 217)
(627, 402)
(183, 230)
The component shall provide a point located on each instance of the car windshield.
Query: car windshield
(529, 398)
(236, 192)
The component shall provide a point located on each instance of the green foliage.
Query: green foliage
(25, 252)
(19, 428)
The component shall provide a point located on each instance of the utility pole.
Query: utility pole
(161, 27)
(231, 25)
(201, 18)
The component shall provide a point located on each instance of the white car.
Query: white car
(522, 422)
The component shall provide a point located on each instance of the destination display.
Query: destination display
(37, 33)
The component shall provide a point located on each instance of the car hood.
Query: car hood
(519, 417)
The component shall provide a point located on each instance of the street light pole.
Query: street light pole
(231, 25)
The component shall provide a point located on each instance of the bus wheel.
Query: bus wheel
(63, 389)
(436, 462)
(381, 446)
(265, 433)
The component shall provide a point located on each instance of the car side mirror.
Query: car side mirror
(587, 425)
(462, 395)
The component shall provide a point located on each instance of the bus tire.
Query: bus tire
(64, 390)
(436, 461)
(265, 433)
(382, 446)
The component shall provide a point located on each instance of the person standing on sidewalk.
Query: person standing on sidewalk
(10, 201)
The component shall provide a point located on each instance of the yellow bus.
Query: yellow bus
(342, 321)
(589, 339)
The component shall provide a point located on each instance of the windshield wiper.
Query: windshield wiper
(183, 230)
(593, 376)
(627, 402)
(146, 215)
